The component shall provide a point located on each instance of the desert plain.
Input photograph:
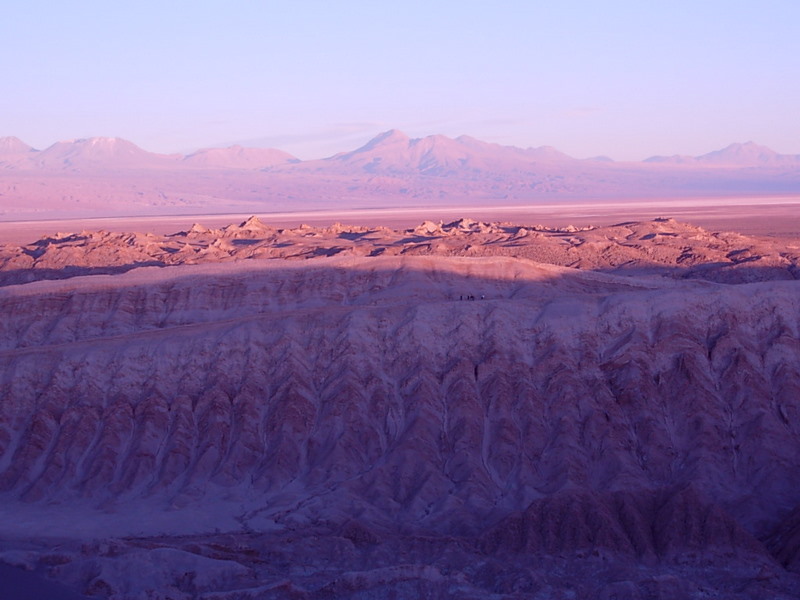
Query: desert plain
(586, 400)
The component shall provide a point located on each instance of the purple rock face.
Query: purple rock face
(350, 427)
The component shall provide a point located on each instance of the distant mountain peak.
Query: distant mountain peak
(97, 152)
(739, 154)
(387, 138)
(390, 135)
(13, 145)
(239, 157)
(746, 153)
(394, 153)
(549, 153)
(97, 145)
(103, 140)
(100, 143)
(746, 147)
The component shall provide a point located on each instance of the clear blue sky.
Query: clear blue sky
(627, 79)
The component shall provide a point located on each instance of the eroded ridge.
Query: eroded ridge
(455, 426)
(661, 246)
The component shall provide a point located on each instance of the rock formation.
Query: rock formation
(449, 417)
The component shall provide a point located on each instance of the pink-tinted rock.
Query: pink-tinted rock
(353, 426)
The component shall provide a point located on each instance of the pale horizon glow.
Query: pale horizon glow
(619, 78)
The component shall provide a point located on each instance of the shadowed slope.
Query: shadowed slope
(658, 247)
(371, 381)
(360, 425)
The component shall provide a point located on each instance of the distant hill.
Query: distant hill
(393, 152)
(13, 145)
(238, 157)
(748, 154)
(111, 176)
(98, 153)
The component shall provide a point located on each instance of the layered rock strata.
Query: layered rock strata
(425, 425)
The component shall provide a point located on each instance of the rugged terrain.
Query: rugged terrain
(459, 410)
(658, 247)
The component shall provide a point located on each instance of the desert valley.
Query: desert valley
(428, 368)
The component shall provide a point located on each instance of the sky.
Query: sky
(624, 79)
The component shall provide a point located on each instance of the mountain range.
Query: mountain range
(108, 176)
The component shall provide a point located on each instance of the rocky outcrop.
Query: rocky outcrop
(650, 525)
(785, 541)
(374, 381)
(363, 415)
(661, 247)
